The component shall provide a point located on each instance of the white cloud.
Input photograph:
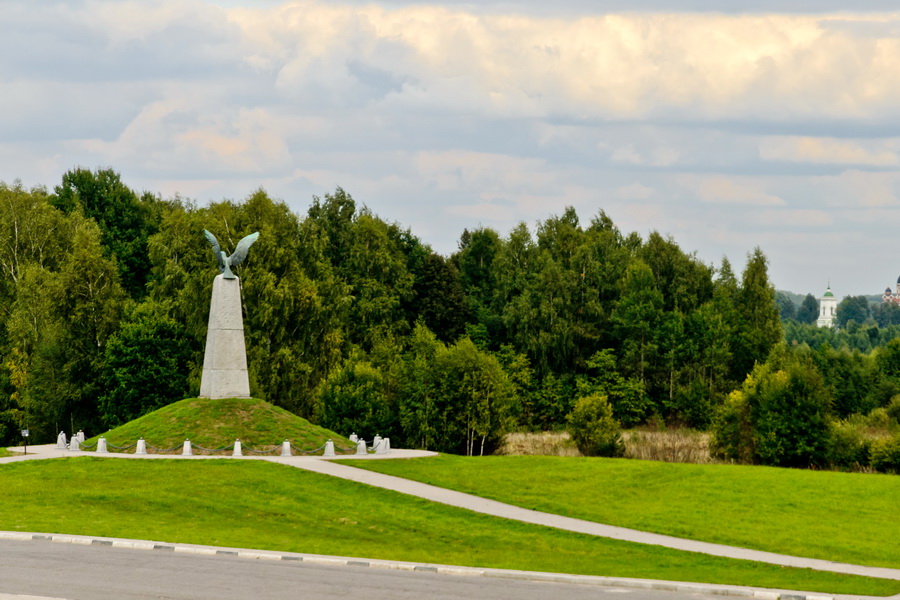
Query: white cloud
(627, 154)
(634, 191)
(787, 218)
(869, 216)
(655, 157)
(716, 128)
(625, 65)
(858, 189)
(829, 151)
(490, 173)
(484, 212)
(645, 213)
(729, 190)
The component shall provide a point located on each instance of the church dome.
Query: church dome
(887, 290)
(828, 293)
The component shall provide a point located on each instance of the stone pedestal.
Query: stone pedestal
(225, 361)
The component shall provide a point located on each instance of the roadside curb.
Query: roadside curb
(340, 561)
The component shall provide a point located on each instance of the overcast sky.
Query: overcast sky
(774, 124)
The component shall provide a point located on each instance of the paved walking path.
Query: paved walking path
(508, 511)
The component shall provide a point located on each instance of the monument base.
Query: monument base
(225, 361)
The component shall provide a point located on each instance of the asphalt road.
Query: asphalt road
(76, 572)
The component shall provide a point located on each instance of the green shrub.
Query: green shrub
(593, 428)
(9, 427)
(732, 431)
(848, 447)
(893, 409)
(693, 405)
(878, 419)
(779, 416)
(886, 455)
(147, 363)
(354, 401)
(791, 418)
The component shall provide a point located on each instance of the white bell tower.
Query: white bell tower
(827, 309)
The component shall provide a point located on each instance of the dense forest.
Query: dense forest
(353, 322)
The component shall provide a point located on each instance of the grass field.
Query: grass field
(845, 517)
(4, 452)
(218, 423)
(262, 505)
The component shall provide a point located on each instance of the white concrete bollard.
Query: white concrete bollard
(361, 447)
(141, 447)
(186, 451)
(379, 447)
(74, 444)
(286, 448)
(329, 448)
(61, 441)
(237, 448)
(101, 446)
(376, 441)
(353, 437)
(80, 436)
(387, 445)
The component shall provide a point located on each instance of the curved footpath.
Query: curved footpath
(498, 509)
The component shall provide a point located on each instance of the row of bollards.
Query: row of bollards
(61, 440)
(379, 445)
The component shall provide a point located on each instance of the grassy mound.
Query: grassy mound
(217, 423)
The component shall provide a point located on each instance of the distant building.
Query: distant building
(828, 308)
(892, 296)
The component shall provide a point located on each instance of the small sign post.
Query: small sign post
(25, 437)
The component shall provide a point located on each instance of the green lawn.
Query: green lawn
(263, 505)
(218, 423)
(845, 517)
(4, 452)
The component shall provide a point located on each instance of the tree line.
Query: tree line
(827, 397)
(355, 323)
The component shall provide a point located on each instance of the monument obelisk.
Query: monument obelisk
(225, 361)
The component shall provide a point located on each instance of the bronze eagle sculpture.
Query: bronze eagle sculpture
(240, 253)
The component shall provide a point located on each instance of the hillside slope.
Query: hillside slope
(218, 423)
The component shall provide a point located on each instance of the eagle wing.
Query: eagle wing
(216, 249)
(243, 248)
